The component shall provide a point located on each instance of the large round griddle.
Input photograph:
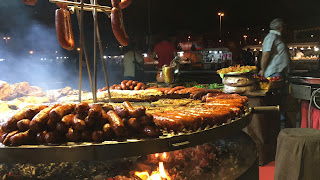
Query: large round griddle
(109, 150)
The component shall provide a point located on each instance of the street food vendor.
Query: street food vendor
(275, 59)
(165, 51)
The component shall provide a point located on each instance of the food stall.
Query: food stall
(305, 56)
(129, 130)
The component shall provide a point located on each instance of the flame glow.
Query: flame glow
(160, 174)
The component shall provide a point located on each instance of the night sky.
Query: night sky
(172, 15)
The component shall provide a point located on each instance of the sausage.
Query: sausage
(106, 107)
(113, 86)
(116, 123)
(73, 135)
(124, 85)
(3, 137)
(40, 137)
(151, 131)
(200, 94)
(121, 111)
(108, 132)
(146, 119)
(31, 112)
(21, 138)
(57, 113)
(95, 111)
(134, 124)
(34, 2)
(143, 87)
(134, 112)
(64, 29)
(89, 122)
(167, 122)
(11, 124)
(171, 91)
(68, 119)
(134, 83)
(118, 87)
(6, 140)
(86, 136)
(23, 124)
(138, 86)
(62, 127)
(52, 137)
(51, 125)
(97, 136)
(117, 23)
(190, 121)
(131, 87)
(62, 5)
(82, 107)
(38, 121)
(103, 118)
(78, 124)
(129, 83)
(125, 3)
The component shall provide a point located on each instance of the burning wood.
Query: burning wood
(159, 174)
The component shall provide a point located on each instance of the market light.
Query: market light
(309, 48)
(311, 35)
(302, 48)
(220, 14)
(290, 47)
(145, 55)
(2, 60)
(104, 57)
(31, 52)
(78, 49)
(316, 49)
(255, 40)
(260, 42)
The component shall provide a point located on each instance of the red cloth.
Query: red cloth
(165, 51)
(315, 115)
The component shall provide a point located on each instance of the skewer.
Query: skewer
(85, 5)
(95, 51)
(81, 50)
(73, 8)
(85, 50)
(102, 59)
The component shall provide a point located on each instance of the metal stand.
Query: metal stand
(79, 8)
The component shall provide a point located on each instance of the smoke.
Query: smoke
(29, 49)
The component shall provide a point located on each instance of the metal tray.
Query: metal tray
(108, 150)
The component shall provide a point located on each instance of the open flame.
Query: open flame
(160, 174)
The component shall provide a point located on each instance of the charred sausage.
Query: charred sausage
(134, 112)
(11, 124)
(116, 123)
(73, 135)
(134, 123)
(23, 124)
(78, 124)
(57, 113)
(38, 121)
(98, 136)
(31, 112)
(64, 29)
(121, 111)
(117, 23)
